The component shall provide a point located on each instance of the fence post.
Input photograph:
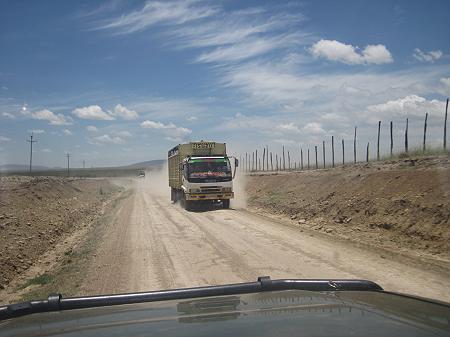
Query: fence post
(284, 161)
(392, 138)
(308, 159)
(264, 158)
(425, 131)
(406, 136)
(289, 161)
(267, 157)
(378, 141)
(271, 162)
(276, 161)
(367, 153)
(323, 152)
(343, 153)
(354, 147)
(317, 164)
(256, 157)
(445, 126)
(253, 161)
(332, 151)
(301, 159)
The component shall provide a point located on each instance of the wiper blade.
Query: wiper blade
(55, 302)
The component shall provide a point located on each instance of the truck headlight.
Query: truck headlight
(227, 189)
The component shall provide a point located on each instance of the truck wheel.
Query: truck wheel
(226, 203)
(186, 204)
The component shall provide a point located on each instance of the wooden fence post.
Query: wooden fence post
(367, 153)
(271, 161)
(425, 132)
(406, 136)
(264, 158)
(343, 153)
(354, 147)
(332, 151)
(378, 140)
(308, 159)
(323, 153)
(256, 157)
(289, 161)
(276, 161)
(267, 157)
(392, 138)
(253, 161)
(317, 164)
(301, 159)
(445, 126)
(284, 161)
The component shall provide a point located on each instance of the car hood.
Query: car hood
(280, 313)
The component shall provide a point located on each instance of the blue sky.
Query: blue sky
(118, 82)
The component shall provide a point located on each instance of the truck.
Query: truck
(201, 172)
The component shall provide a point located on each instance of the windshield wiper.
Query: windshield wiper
(55, 302)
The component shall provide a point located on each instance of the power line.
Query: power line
(31, 141)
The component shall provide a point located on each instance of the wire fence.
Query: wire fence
(266, 160)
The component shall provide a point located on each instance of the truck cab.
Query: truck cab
(208, 178)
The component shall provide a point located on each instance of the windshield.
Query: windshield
(200, 170)
(163, 144)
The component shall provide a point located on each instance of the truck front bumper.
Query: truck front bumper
(210, 196)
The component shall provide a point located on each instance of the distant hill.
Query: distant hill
(145, 164)
(20, 167)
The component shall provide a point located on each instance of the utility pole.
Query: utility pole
(31, 141)
(68, 166)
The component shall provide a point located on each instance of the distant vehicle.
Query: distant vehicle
(201, 171)
(264, 308)
(141, 174)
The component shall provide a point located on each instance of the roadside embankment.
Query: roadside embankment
(38, 213)
(401, 206)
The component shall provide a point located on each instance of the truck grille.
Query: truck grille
(211, 189)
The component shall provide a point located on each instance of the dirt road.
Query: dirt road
(152, 244)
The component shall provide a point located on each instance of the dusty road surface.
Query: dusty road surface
(152, 244)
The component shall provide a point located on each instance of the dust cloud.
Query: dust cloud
(240, 193)
(156, 181)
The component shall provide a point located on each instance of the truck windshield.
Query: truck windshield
(209, 170)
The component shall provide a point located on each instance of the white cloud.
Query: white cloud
(54, 119)
(123, 133)
(36, 131)
(289, 127)
(93, 112)
(170, 130)
(153, 125)
(67, 132)
(8, 115)
(107, 139)
(124, 112)
(246, 49)
(191, 118)
(46, 150)
(445, 82)
(411, 105)
(340, 52)
(4, 139)
(313, 128)
(91, 128)
(431, 56)
(159, 12)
